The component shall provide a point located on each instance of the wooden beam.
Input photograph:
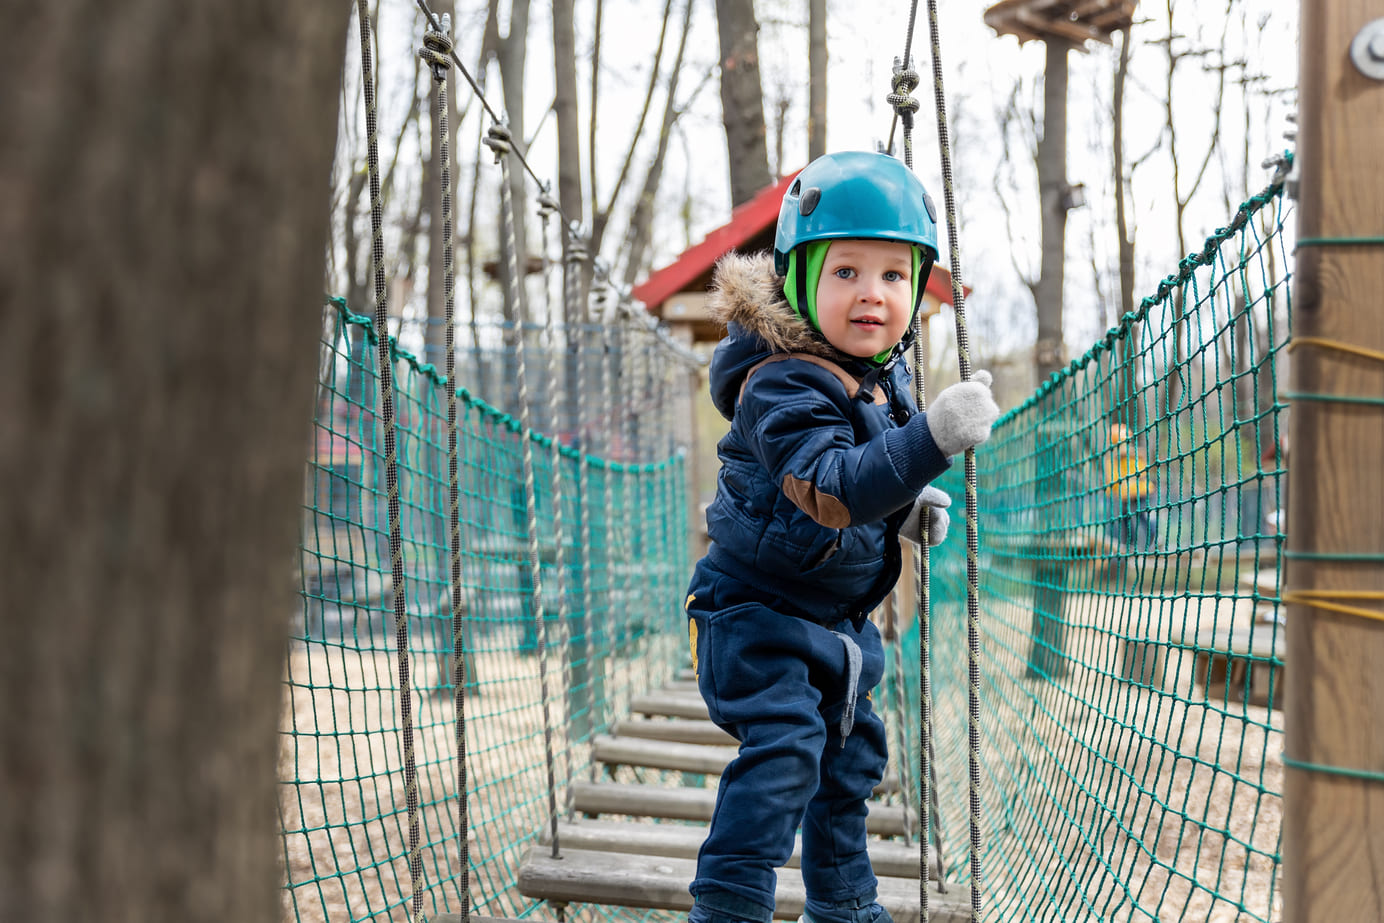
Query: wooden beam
(659, 882)
(684, 730)
(691, 804)
(1061, 28)
(1333, 824)
(662, 754)
(891, 858)
(670, 705)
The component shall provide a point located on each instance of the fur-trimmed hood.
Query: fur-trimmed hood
(747, 296)
(746, 291)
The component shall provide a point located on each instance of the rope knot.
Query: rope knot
(498, 140)
(547, 205)
(905, 81)
(437, 48)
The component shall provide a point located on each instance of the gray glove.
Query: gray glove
(936, 502)
(962, 415)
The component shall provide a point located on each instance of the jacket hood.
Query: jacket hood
(747, 296)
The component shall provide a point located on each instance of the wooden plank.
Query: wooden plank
(670, 705)
(660, 882)
(682, 757)
(691, 804)
(682, 841)
(662, 754)
(682, 730)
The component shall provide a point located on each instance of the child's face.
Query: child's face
(865, 295)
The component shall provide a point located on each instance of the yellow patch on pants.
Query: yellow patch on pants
(692, 635)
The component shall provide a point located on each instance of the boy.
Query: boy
(826, 461)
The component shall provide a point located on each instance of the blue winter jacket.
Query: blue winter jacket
(817, 472)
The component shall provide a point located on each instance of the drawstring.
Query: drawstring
(852, 685)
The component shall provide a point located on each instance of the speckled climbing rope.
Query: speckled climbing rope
(391, 462)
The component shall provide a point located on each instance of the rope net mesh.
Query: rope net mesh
(343, 806)
(1130, 541)
(1130, 548)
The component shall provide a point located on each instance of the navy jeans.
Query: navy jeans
(779, 685)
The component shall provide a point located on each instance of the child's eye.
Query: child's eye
(893, 275)
(845, 272)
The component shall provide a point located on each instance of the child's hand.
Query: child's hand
(936, 502)
(962, 415)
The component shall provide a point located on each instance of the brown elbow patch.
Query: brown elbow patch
(823, 508)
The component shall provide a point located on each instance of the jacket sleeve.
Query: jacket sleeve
(797, 417)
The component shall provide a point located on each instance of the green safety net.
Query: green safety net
(1131, 534)
(616, 630)
(1131, 538)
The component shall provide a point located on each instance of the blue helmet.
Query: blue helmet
(853, 194)
(857, 194)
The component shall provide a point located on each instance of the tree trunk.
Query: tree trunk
(816, 80)
(1052, 193)
(513, 57)
(1126, 383)
(436, 337)
(569, 194)
(165, 201)
(742, 100)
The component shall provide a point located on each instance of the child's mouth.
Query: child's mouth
(867, 322)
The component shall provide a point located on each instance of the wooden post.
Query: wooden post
(1333, 828)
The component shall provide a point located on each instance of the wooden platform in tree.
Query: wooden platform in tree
(1076, 21)
(634, 844)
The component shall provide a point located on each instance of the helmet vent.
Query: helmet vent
(809, 201)
(796, 187)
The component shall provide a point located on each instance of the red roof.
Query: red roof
(751, 227)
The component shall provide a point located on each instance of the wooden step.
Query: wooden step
(682, 841)
(691, 804)
(681, 757)
(662, 754)
(680, 730)
(670, 705)
(660, 882)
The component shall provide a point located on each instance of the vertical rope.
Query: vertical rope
(436, 52)
(905, 81)
(498, 140)
(391, 462)
(547, 207)
(963, 350)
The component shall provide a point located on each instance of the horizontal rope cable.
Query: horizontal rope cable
(1364, 399)
(1339, 242)
(1367, 775)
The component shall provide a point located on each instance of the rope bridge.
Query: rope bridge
(1130, 539)
(492, 579)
